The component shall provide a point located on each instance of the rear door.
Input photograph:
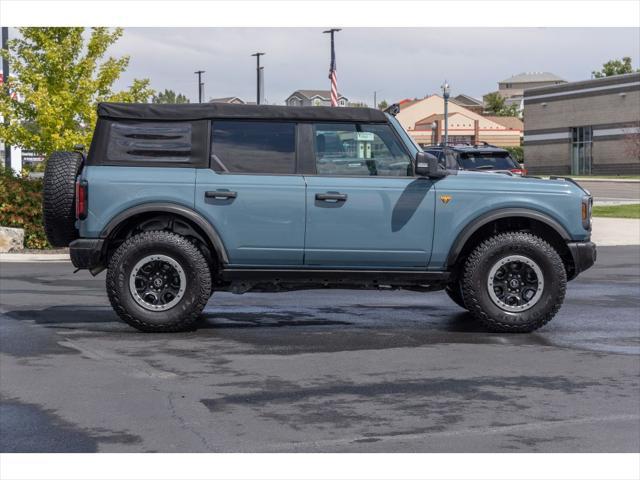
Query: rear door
(253, 194)
(365, 208)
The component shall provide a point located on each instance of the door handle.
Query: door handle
(220, 194)
(338, 197)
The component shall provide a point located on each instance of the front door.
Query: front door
(252, 194)
(365, 208)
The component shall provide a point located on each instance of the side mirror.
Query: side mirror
(427, 165)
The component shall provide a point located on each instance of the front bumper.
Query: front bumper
(584, 255)
(86, 253)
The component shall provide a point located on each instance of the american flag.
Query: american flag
(332, 76)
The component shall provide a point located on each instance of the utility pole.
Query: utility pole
(375, 98)
(5, 84)
(258, 75)
(445, 94)
(332, 68)
(200, 84)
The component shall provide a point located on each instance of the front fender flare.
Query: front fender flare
(489, 217)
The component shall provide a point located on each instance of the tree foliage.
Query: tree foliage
(614, 67)
(169, 96)
(495, 104)
(383, 105)
(58, 77)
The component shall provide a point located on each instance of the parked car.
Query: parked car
(484, 157)
(180, 201)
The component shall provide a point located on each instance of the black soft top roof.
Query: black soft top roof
(201, 111)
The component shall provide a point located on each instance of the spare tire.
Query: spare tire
(58, 197)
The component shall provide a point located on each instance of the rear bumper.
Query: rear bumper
(584, 255)
(86, 253)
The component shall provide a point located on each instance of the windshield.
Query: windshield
(487, 161)
(409, 142)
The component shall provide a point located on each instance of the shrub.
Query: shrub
(21, 207)
(517, 153)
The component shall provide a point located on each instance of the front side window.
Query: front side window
(359, 149)
(239, 146)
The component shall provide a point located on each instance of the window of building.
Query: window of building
(342, 102)
(581, 142)
(359, 149)
(153, 142)
(253, 147)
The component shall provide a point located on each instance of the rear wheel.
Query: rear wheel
(514, 282)
(158, 282)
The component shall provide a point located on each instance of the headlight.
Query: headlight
(587, 205)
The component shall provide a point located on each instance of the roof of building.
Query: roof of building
(439, 116)
(324, 94)
(528, 77)
(203, 111)
(512, 123)
(225, 100)
(627, 79)
(466, 100)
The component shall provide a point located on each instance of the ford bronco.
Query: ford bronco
(180, 201)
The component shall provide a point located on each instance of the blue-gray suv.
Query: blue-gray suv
(180, 201)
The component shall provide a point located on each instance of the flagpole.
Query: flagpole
(332, 68)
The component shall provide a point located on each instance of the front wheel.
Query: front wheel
(158, 282)
(514, 282)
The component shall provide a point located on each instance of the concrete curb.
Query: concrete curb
(34, 257)
(605, 180)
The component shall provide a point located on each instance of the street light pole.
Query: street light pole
(445, 94)
(375, 98)
(258, 95)
(199, 73)
(5, 84)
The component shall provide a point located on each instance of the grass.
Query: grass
(617, 211)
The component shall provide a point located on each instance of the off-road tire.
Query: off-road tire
(184, 314)
(454, 290)
(476, 294)
(59, 197)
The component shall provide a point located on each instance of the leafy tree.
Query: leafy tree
(383, 104)
(495, 104)
(58, 79)
(614, 67)
(169, 96)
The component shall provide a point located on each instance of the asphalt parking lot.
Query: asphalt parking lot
(318, 371)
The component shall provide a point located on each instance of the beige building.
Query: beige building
(582, 128)
(512, 88)
(419, 117)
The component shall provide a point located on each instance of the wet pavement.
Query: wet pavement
(318, 370)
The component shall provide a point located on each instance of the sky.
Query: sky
(397, 62)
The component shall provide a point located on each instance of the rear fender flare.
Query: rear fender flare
(176, 209)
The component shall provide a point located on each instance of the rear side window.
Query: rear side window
(154, 142)
(253, 147)
(487, 161)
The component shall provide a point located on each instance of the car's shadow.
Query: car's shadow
(442, 325)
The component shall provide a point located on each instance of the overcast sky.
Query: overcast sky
(398, 62)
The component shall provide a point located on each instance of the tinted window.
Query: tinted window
(150, 141)
(359, 149)
(487, 161)
(254, 147)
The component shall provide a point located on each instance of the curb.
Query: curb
(606, 180)
(34, 257)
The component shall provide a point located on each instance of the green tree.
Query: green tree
(58, 79)
(495, 104)
(614, 67)
(169, 96)
(383, 104)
